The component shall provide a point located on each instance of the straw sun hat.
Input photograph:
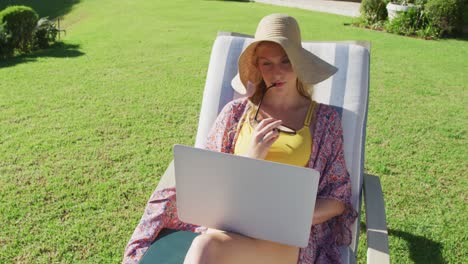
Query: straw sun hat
(283, 30)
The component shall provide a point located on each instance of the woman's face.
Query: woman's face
(275, 67)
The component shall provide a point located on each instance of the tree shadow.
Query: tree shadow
(422, 250)
(58, 50)
(50, 8)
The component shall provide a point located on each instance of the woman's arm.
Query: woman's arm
(335, 183)
(326, 209)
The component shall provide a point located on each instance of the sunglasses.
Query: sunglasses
(281, 128)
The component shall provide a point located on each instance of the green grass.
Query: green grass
(86, 129)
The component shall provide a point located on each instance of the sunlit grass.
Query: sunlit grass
(86, 130)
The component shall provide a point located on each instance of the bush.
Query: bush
(373, 11)
(400, 2)
(420, 3)
(45, 33)
(403, 23)
(413, 22)
(6, 49)
(445, 15)
(428, 18)
(20, 23)
(405, 2)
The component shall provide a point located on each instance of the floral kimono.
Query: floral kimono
(327, 157)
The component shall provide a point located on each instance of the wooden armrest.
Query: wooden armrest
(377, 235)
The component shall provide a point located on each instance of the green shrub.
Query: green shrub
(445, 15)
(411, 23)
(373, 11)
(403, 23)
(20, 23)
(6, 49)
(420, 3)
(465, 14)
(45, 33)
(400, 2)
(405, 2)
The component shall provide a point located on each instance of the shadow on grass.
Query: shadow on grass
(58, 50)
(50, 8)
(422, 250)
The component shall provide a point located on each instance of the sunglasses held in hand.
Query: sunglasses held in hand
(281, 128)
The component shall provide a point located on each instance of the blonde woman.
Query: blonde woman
(277, 121)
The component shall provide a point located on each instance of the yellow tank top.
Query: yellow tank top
(287, 149)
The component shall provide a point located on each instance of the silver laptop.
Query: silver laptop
(256, 198)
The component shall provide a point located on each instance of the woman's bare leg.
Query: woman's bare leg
(227, 248)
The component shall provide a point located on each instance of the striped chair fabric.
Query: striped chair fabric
(347, 90)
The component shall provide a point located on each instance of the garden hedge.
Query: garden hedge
(19, 24)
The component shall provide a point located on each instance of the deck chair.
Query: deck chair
(347, 90)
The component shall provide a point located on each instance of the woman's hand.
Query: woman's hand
(264, 135)
(325, 209)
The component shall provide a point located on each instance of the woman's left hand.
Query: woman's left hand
(325, 209)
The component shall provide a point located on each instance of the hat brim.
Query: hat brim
(309, 68)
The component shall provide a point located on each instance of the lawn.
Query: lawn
(86, 128)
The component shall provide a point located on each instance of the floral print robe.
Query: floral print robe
(327, 157)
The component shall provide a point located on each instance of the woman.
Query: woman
(278, 122)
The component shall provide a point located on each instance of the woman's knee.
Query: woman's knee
(204, 249)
